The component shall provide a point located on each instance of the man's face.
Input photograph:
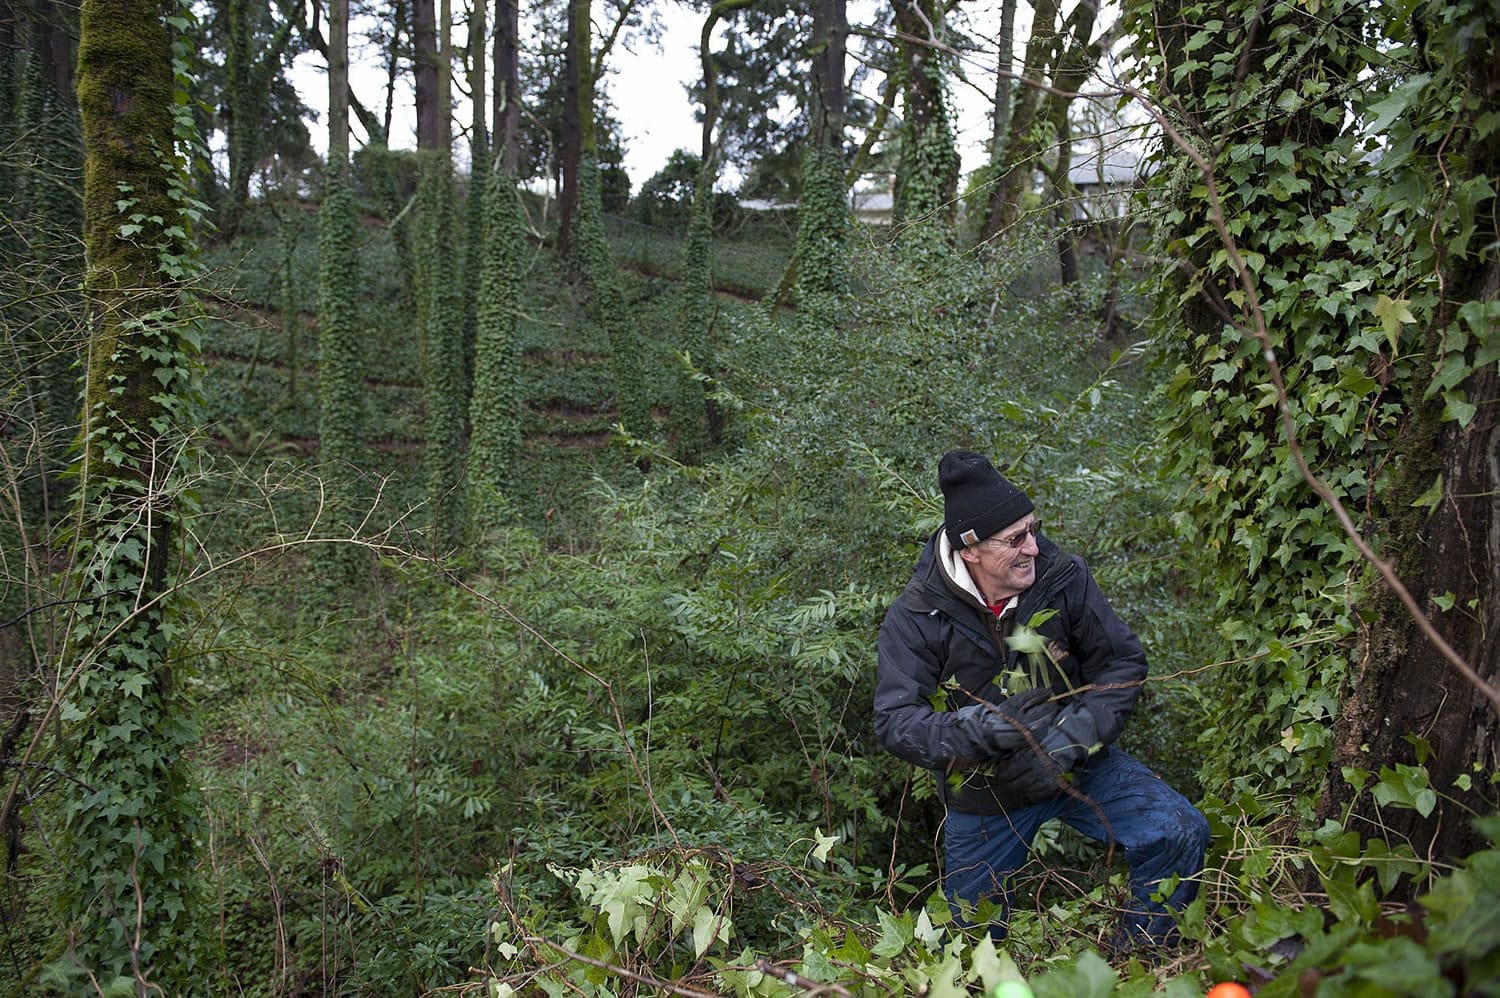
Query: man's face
(1004, 564)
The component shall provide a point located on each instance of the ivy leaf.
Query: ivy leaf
(708, 926)
(825, 843)
(895, 934)
(926, 931)
(1432, 496)
(1459, 408)
(1392, 313)
(1395, 105)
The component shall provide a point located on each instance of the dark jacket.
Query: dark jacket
(937, 637)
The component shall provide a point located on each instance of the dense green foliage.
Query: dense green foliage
(619, 741)
(1331, 256)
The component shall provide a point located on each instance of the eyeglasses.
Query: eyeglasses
(1015, 541)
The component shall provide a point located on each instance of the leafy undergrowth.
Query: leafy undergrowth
(624, 747)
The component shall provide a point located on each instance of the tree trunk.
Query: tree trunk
(577, 118)
(55, 45)
(1005, 59)
(1402, 686)
(1013, 172)
(822, 220)
(1074, 66)
(249, 75)
(400, 17)
(128, 732)
(341, 396)
(445, 76)
(927, 183)
(479, 172)
(507, 132)
(425, 74)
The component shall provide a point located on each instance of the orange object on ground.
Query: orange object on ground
(1228, 989)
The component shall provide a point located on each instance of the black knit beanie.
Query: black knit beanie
(977, 500)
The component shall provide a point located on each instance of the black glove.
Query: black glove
(1072, 737)
(1036, 775)
(999, 731)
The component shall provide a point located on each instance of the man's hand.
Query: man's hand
(1002, 730)
(1069, 739)
(1072, 736)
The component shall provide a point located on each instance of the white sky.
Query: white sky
(646, 84)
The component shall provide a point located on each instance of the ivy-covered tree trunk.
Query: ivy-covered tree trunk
(341, 396)
(577, 120)
(1358, 287)
(133, 814)
(695, 419)
(439, 313)
(1405, 704)
(823, 219)
(41, 179)
(692, 416)
(495, 411)
(440, 325)
(927, 181)
(479, 172)
(587, 244)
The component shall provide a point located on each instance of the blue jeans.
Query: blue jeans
(1160, 833)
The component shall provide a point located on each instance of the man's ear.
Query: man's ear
(968, 554)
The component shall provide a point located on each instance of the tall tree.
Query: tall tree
(439, 311)
(823, 220)
(507, 129)
(479, 172)
(495, 408)
(256, 47)
(587, 244)
(1335, 396)
(340, 366)
(585, 131)
(927, 182)
(577, 117)
(693, 415)
(1074, 67)
(426, 74)
(1050, 47)
(132, 821)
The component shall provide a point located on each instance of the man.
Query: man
(1004, 670)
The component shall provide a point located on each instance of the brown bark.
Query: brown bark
(508, 85)
(578, 116)
(55, 46)
(338, 84)
(479, 77)
(1403, 687)
(830, 43)
(425, 74)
